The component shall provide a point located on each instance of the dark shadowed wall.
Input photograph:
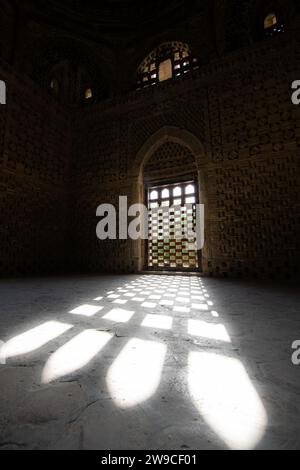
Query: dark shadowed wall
(35, 136)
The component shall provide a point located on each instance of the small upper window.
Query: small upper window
(177, 192)
(54, 85)
(270, 21)
(272, 25)
(88, 94)
(169, 60)
(165, 194)
(165, 70)
(190, 189)
(154, 195)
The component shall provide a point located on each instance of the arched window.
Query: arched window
(177, 191)
(272, 25)
(190, 189)
(154, 195)
(54, 86)
(88, 94)
(270, 21)
(169, 60)
(165, 194)
(165, 71)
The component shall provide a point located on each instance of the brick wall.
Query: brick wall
(34, 167)
(240, 109)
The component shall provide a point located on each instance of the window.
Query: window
(270, 21)
(165, 194)
(154, 195)
(190, 189)
(172, 227)
(272, 25)
(168, 61)
(165, 70)
(88, 94)
(177, 191)
(54, 85)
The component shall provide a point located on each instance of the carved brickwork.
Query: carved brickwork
(169, 161)
(238, 107)
(241, 112)
(34, 162)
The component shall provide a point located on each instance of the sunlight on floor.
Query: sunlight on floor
(75, 355)
(119, 315)
(220, 389)
(162, 322)
(208, 330)
(86, 310)
(224, 396)
(33, 339)
(136, 373)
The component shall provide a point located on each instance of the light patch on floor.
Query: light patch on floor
(33, 339)
(86, 310)
(158, 321)
(119, 315)
(224, 396)
(208, 330)
(205, 373)
(74, 355)
(135, 374)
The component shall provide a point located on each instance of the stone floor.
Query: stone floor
(148, 362)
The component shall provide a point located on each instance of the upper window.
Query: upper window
(272, 25)
(165, 71)
(54, 85)
(270, 21)
(169, 60)
(88, 94)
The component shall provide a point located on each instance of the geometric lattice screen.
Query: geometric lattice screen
(172, 227)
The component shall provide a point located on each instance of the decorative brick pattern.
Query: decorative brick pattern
(238, 107)
(171, 160)
(240, 110)
(34, 166)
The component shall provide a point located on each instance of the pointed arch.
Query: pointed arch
(165, 135)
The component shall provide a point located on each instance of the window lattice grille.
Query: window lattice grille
(172, 227)
(169, 60)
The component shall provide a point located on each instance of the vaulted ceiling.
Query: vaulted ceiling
(107, 40)
(125, 14)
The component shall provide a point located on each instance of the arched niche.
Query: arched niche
(144, 167)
